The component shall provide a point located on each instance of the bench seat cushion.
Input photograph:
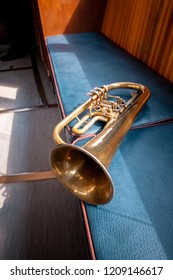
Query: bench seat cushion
(82, 61)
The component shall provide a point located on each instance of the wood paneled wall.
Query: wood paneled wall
(145, 29)
(71, 16)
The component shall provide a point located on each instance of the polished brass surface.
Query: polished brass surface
(83, 170)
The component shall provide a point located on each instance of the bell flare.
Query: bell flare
(82, 174)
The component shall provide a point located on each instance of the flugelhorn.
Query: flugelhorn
(83, 170)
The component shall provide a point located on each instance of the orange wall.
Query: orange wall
(145, 29)
(71, 16)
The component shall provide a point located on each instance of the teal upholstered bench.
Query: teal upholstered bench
(137, 223)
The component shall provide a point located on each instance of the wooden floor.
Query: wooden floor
(38, 219)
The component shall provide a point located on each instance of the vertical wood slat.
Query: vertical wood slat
(143, 28)
(161, 54)
(127, 24)
(109, 18)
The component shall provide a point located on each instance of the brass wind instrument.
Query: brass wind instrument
(83, 170)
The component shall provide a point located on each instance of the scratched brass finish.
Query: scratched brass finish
(83, 170)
